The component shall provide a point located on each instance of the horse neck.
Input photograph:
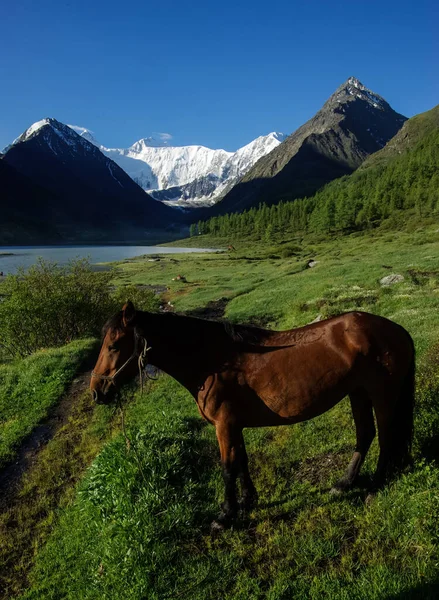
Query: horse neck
(184, 347)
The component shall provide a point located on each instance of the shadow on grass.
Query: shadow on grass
(427, 591)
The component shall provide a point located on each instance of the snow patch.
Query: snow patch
(110, 168)
(35, 127)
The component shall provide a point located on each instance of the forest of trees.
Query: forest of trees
(358, 201)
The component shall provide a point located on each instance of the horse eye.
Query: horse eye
(113, 347)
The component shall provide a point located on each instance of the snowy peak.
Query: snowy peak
(53, 133)
(354, 89)
(150, 142)
(262, 144)
(207, 189)
(36, 127)
(89, 186)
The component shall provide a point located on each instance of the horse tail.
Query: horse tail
(404, 416)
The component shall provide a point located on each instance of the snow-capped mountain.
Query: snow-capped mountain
(81, 192)
(185, 175)
(160, 167)
(208, 189)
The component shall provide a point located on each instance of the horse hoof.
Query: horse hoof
(336, 491)
(222, 522)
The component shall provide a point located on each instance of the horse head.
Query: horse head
(121, 356)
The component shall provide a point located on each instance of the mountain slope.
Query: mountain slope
(88, 195)
(403, 175)
(398, 183)
(19, 222)
(413, 130)
(352, 124)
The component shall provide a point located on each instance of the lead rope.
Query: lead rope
(142, 364)
(128, 443)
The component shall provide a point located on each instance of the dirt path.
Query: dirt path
(214, 309)
(43, 478)
(11, 475)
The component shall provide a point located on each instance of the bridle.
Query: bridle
(140, 352)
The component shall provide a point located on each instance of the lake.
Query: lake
(13, 257)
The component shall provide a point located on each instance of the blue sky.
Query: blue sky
(217, 74)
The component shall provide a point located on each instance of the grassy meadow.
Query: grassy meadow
(135, 524)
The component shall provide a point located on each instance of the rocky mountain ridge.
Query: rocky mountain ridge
(352, 124)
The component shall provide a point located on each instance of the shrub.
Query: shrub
(289, 250)
(50, 305)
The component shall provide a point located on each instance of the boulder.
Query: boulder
(391, 279)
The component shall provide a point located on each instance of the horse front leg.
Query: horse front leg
(361, 405)
(230, 442)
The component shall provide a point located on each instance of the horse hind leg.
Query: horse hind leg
(361, 405)
(249, 494)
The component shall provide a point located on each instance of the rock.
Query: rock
(391, 279)
(312, 263)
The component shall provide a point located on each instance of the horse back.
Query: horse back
(301, 373)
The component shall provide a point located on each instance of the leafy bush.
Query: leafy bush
(50, 305)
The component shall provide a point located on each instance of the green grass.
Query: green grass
(138, 525)
(31, 514)
(30, 387)
(143, 531)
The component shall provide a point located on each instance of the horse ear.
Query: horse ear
(128, 314)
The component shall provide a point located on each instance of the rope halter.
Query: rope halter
(140, 352)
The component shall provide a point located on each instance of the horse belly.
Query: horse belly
(298, 394)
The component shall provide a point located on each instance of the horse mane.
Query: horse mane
(240, 334)
(246, 334)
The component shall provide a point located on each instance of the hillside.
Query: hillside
(413, 131)
(354, 123)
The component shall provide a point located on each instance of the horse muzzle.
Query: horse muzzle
(103, 397)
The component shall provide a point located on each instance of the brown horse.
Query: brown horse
(248, 377)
